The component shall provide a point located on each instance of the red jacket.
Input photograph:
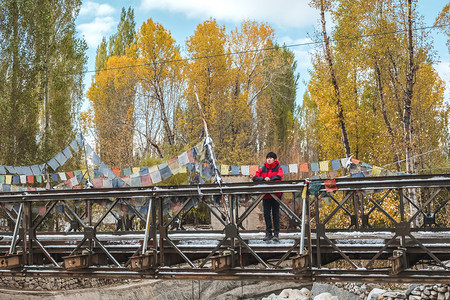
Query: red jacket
(273, 171)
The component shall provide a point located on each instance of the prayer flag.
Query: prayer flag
(357, 175)
(136, 170)
(315, 166)
(355, 161)
(89, 150)
(23, 179)
(174, 167)
(60, 158)
(117, 182)
(254, 169)
(126, 171)
(97, 173)
(333, 174)
(146, 181)
(11, 169)
(67, 152)
(54, 177)
(364, 164)
(36, 170)
(344, 162)
(74, 180)
(304, 167)
(116, 171)
(285, 169)
(74, 145)
(2, 179)
(172, 160)
(70, 174)
(155, 176)
(323, 166)
(143, 171)
(314, 187)
(136, 181)
(39, 178)
(16, 179)
(234, 170)
(98, 183)
(330, 185)
(245, 170)
(7, 187)
(183, 159)
(224, 169)
(62, 176)
(80, 139)
(153, 169)
(190, 156)
(2, 170)
(165, 172)
(96, 159)
(293, 168)
(30, 179)
(107, 183)
(127, 180)
(335, 164)
(163, 165)
(60, 208)
(53, 164)
(376, 171)
(30, 188)
(183, 170)
(27, 171)
(323, 175)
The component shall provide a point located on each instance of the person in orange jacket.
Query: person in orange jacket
(271, 171)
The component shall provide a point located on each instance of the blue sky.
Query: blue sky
(293, 21)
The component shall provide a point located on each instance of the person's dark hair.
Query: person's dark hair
(271, 154)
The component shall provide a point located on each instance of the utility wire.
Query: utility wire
(257, 50)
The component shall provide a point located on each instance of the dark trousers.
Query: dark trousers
(271, 205)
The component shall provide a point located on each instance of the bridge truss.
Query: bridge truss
(368, 230)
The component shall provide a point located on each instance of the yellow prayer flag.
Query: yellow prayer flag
(323, 166)
(183, 170)
(376, 171)
(224, 169)
(85, 173)
(136, 169)
(8, 179)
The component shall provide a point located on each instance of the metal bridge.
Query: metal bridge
(363, 232)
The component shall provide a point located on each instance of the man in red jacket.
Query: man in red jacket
(269, 172)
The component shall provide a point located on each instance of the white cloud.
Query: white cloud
(443, 69)
(94, 31)
(95, 9)
(302, 52)
(282, 13)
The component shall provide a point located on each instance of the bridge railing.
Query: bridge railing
(343, 225)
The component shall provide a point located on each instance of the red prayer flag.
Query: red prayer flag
(304, 167)
(68, 183)
(145, 180)
(355, 161)
(190, 157)
(77, 187)
(70, 174)
(172, 160)
(253, 169)
(31, 189)
(330, 185)
(30, 178)
(98, 182)
(116, 171)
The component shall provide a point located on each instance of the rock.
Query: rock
(375, 294)
(413, 297)
(323, 296)
(441, 296)
(390, 294)
(442, 289)
(284, 293)
(302, 294)
(433, 293)
(447, 296)
(363, 288)
(427, 292)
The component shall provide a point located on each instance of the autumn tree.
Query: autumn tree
(161, 84)
(112, 96)
(208, 72)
